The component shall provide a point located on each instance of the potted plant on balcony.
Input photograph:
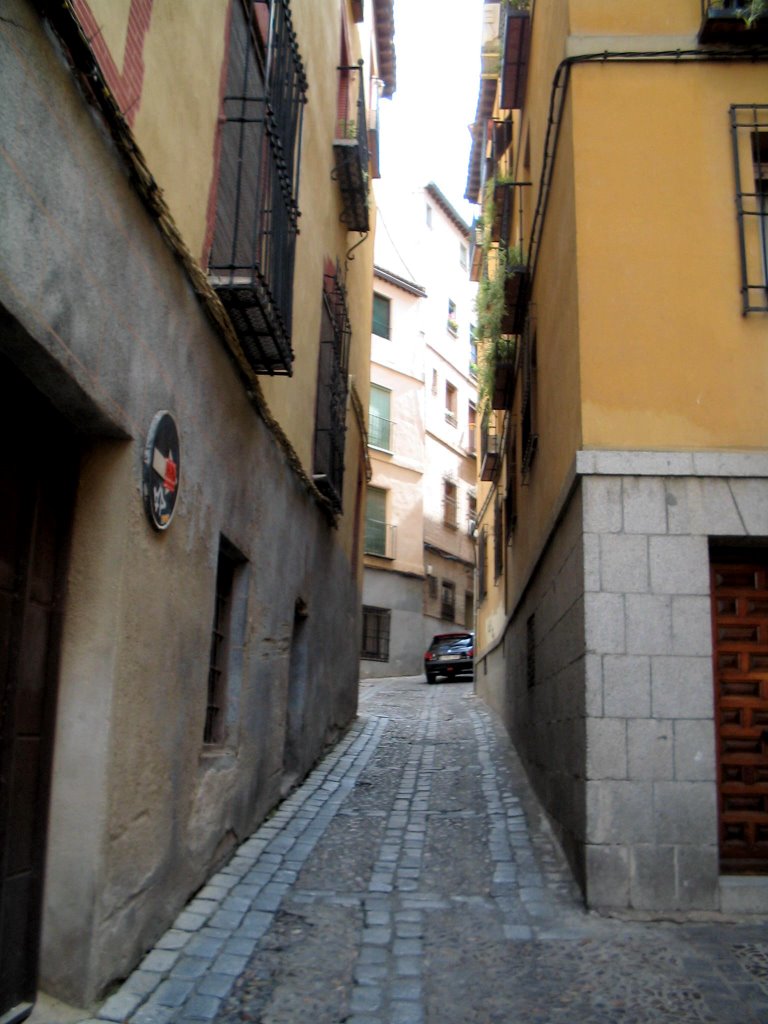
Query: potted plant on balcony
(736, 21)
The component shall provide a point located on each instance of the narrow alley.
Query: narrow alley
(412, 880)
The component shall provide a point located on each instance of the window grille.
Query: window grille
(510, 498)
(498, 539)
(331, 410)
(448, 600)
(376, 625)
(482, 568)
(530, 651)
(749, 130)
(252, 255)
(528, 436)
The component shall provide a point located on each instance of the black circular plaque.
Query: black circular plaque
(162, 465)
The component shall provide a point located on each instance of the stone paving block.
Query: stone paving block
(187, 922)
(204, 946)
(406, 1013)
(121, 1005)
(227, 919)
(154, 1014)
(173, 939)
(201, 1007)
(190, 967)
(365, 998)
(172, 992)
(141, 982)
(229, 963)
(215, 984)
(160, 960)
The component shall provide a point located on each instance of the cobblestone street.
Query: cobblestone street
(412, 880)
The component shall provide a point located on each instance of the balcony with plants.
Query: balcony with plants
(734, 22)
(502, 297)
(350, 149)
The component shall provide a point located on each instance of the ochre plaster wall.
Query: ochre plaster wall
(667, 360)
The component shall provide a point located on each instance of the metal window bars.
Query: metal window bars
(252, 255)
(332, 388)
(749, 135)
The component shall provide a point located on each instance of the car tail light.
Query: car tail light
(428, 656)
(471, 652)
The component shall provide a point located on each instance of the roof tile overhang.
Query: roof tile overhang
(485, 101)
(444, 204)
(384, 27)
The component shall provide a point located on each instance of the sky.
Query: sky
(424, 127)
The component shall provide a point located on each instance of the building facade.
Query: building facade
(419, 550)
(185, 389)
(619, 159)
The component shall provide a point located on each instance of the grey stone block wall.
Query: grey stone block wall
(618, 732)
(651, 840)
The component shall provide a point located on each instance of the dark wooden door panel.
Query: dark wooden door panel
(37, 478)
(740, 628)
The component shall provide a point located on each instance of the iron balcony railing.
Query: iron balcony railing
(380, 432)
(252, 254)
(350, 151)
(332, 387)
(380, 538)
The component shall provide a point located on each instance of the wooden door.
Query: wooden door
(37, 475)
(740, 622)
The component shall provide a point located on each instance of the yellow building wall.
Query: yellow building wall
(176, 124)
(176, 121)
(667, 360)
(628, 17)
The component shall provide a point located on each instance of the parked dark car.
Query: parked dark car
(449, 654)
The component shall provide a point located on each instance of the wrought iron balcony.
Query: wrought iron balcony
(350, 151)
(515, 53)
(504, 374)
(252, 254)
(738, 22)
(490, 452)
(380, 432)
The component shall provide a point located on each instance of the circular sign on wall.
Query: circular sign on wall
(161, 470)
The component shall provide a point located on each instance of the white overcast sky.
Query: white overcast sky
(424, 127)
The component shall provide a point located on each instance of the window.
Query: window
(429, 216)
(380, 424)
(482, 566)
(434, 382)
(471, 513)
(510, 498)
(376, 623)
(498, 539)
(463, 256)
(331, 407)
(451, 403)
(529, 438)
(453, 323)
(256, 221)
(380, 315)
(530, 651)
(224, 657)
(449, 504)
(431, 586)
(378, 535)
(473, 351)
(471, 429)
(749, 129)
(448, 600)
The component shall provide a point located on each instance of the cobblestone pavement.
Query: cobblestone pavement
(412, 880)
